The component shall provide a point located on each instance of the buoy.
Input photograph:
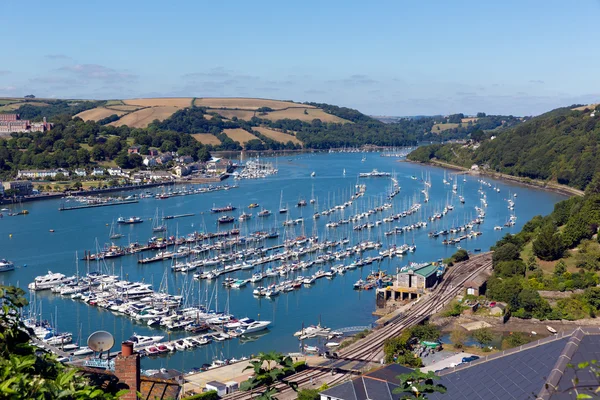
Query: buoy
(10, 235)
(106, 225)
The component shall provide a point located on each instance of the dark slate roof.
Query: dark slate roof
(537, 370)
(532, 371)
(376, 385)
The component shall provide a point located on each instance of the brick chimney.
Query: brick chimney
(127, 369)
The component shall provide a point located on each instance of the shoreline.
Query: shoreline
(551, 187)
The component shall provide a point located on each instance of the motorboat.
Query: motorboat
(129, 221)
(225, 219)
(251, 326)
(6, 265)
(141, 341)
(49, 281)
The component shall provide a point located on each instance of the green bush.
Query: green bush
(300, 366)
(210, 395)
(308, 394)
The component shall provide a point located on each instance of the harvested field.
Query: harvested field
(471, 119)
(143, 117)
(298, 113)
(96, 114)
(239, 135)
(124, 108)
(589, 107)
(206, 138)
(443, 127)
(181, 102)
(244, 103)
(114, 102)
(241, 114)
(277, 136)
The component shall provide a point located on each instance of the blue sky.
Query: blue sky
(381, 57)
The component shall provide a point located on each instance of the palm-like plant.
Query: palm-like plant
(417, 384)
(270, 368)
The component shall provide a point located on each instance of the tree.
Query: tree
(77, 185)
(417, 385)
(506, 252)
(483, 336)
(203, 155)
(122, 160)
(548, 245)
(277, 368)
(460, 255)
(560, 268)
(458, 338)
(309, 394)
(30, 373)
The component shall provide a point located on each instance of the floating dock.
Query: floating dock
(111, 203)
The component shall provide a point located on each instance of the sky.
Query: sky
(396, 58)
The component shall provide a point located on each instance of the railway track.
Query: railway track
(370, 348)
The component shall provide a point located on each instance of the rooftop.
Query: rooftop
(427, 270)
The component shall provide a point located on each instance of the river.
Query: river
(27, 240)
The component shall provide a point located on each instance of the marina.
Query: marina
(311, 268)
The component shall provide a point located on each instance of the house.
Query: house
(160, 176)
(182, 170)
(219, 387)
(134, 149)
(98, 172)
(474, 167)
(150, 162)
(153, 152)
(164, 158)
(186, 159)
(477, 285)
(218, 165)
(80, 172)
(115, 171)
(540, 370)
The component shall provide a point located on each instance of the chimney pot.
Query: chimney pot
(126, 348)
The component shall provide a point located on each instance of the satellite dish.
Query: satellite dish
(101, 341)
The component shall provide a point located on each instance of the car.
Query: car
(469, 359)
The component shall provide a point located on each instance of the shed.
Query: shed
(477, 285)
(218, 386)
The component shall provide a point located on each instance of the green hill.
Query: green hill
(559, 146)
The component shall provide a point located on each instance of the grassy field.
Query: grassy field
(298, 113)
(4, 102)
(589, 107)
(96, 114)
(206, 138)
(277, 136)
(239, 135)
(548, 266)
(466, 120)
(143, 117)
(114, 102)
(181, 102)
(244, 103)
(241, 114)
(443, 127)
(13, 106)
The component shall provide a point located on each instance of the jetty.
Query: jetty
(178, 216)
(106, 204)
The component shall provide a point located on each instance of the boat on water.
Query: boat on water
(222, 209)
(313, 174)
(141, 341)
(282, 209)
(301, 203)
(157, 226)
(48, 281)
(129, 221)
(226, 219)
(244, 217)
(264, 213)
(6, 265)
(253, 205)
(114, 234)
(374, 174)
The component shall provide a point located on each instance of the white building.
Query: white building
(150, 162)
(41, 173)
(116, 171)
(98, 172)
(80, 172)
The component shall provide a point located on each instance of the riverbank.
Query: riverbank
(534, 183)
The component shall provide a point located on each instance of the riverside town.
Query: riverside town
(306, 202)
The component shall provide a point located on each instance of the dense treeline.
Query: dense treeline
(516, 281)
(561, 145)
(55, 108)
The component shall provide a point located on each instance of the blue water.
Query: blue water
(333, 301)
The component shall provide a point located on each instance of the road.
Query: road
(370, 349)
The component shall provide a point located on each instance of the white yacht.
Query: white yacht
(251, 326)
(48, 281)
(141, 341)
(6, 265)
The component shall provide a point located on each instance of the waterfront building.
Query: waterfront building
(21, 188)
(182, 170)
(410, 283)
(115, 171)
(41, 173)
